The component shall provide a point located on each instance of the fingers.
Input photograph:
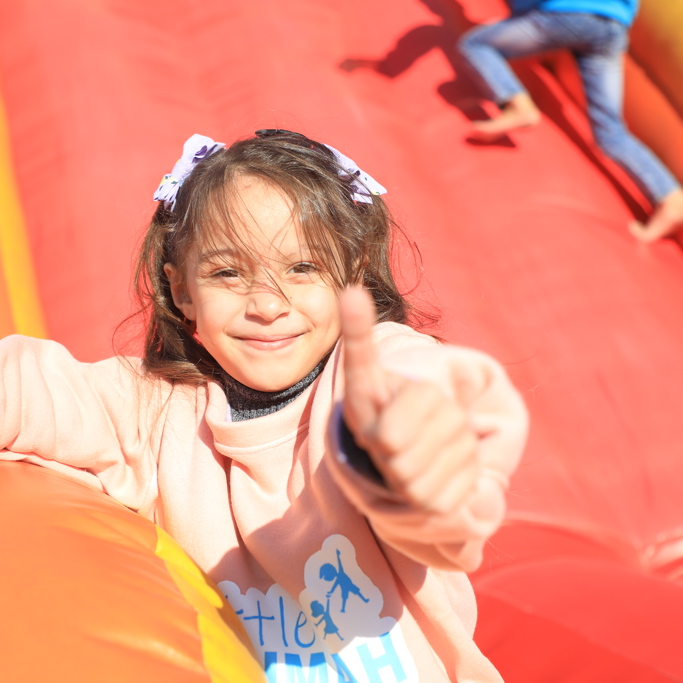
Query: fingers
(445, 475)
(425, 449)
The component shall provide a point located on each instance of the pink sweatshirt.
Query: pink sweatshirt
(334, 577)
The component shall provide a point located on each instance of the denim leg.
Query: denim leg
(603, 74)
(598, 45)
(486, 49)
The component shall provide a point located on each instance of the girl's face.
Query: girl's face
(268, 319)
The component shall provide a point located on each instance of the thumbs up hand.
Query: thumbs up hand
(417, 436)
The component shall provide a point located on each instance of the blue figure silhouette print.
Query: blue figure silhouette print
(341, 580)
(332, 632)
(317, 610)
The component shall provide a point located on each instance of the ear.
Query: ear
(181, 297)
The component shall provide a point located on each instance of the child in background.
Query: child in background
(333, 470)
(596, 32)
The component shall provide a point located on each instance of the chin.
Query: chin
(260, 386)
(268, 384)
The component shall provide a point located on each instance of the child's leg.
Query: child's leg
(602, 72)
(485, 50)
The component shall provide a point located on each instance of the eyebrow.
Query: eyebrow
(213, 253)
(304, 253)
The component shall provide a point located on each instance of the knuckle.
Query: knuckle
(388, 437)
(466, 446)
(471, 442)
(453, 415)
(413, 491)
(406, 465)
(428, 392)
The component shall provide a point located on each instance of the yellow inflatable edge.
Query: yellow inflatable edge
(15, 254)
(226, 648)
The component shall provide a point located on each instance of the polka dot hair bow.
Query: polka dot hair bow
(196, 149)
(363, 185)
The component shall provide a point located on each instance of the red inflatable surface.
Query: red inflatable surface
(524, 244)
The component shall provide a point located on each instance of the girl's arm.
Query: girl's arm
(88, 421)
(444, 427)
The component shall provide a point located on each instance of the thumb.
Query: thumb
(366, 390)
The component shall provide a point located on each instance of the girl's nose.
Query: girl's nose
(267, 303)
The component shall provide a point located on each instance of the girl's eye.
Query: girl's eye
(226, 273)
(304, 267)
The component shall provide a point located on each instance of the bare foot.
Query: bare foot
(519, 112)
(666, 221)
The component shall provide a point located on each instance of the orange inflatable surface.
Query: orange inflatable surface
(524, 247)
(93, 592)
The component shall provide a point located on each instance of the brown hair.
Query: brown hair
(351, 241)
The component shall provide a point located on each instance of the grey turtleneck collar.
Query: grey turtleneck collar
(247, 403)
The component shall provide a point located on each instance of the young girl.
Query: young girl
(334, 476)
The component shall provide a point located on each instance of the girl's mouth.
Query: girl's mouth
(264, 343)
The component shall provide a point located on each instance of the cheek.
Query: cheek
(215, 309)
(323, 310)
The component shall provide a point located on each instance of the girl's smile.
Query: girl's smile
(269, 343)
(267, 316)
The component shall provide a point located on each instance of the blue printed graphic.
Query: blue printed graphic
(341, 580)
(334, 632)
(260, 618)
(317, 610)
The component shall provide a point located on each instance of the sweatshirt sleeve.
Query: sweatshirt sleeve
(89, 421)
(497, 416)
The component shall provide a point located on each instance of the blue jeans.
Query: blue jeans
(598, 45)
